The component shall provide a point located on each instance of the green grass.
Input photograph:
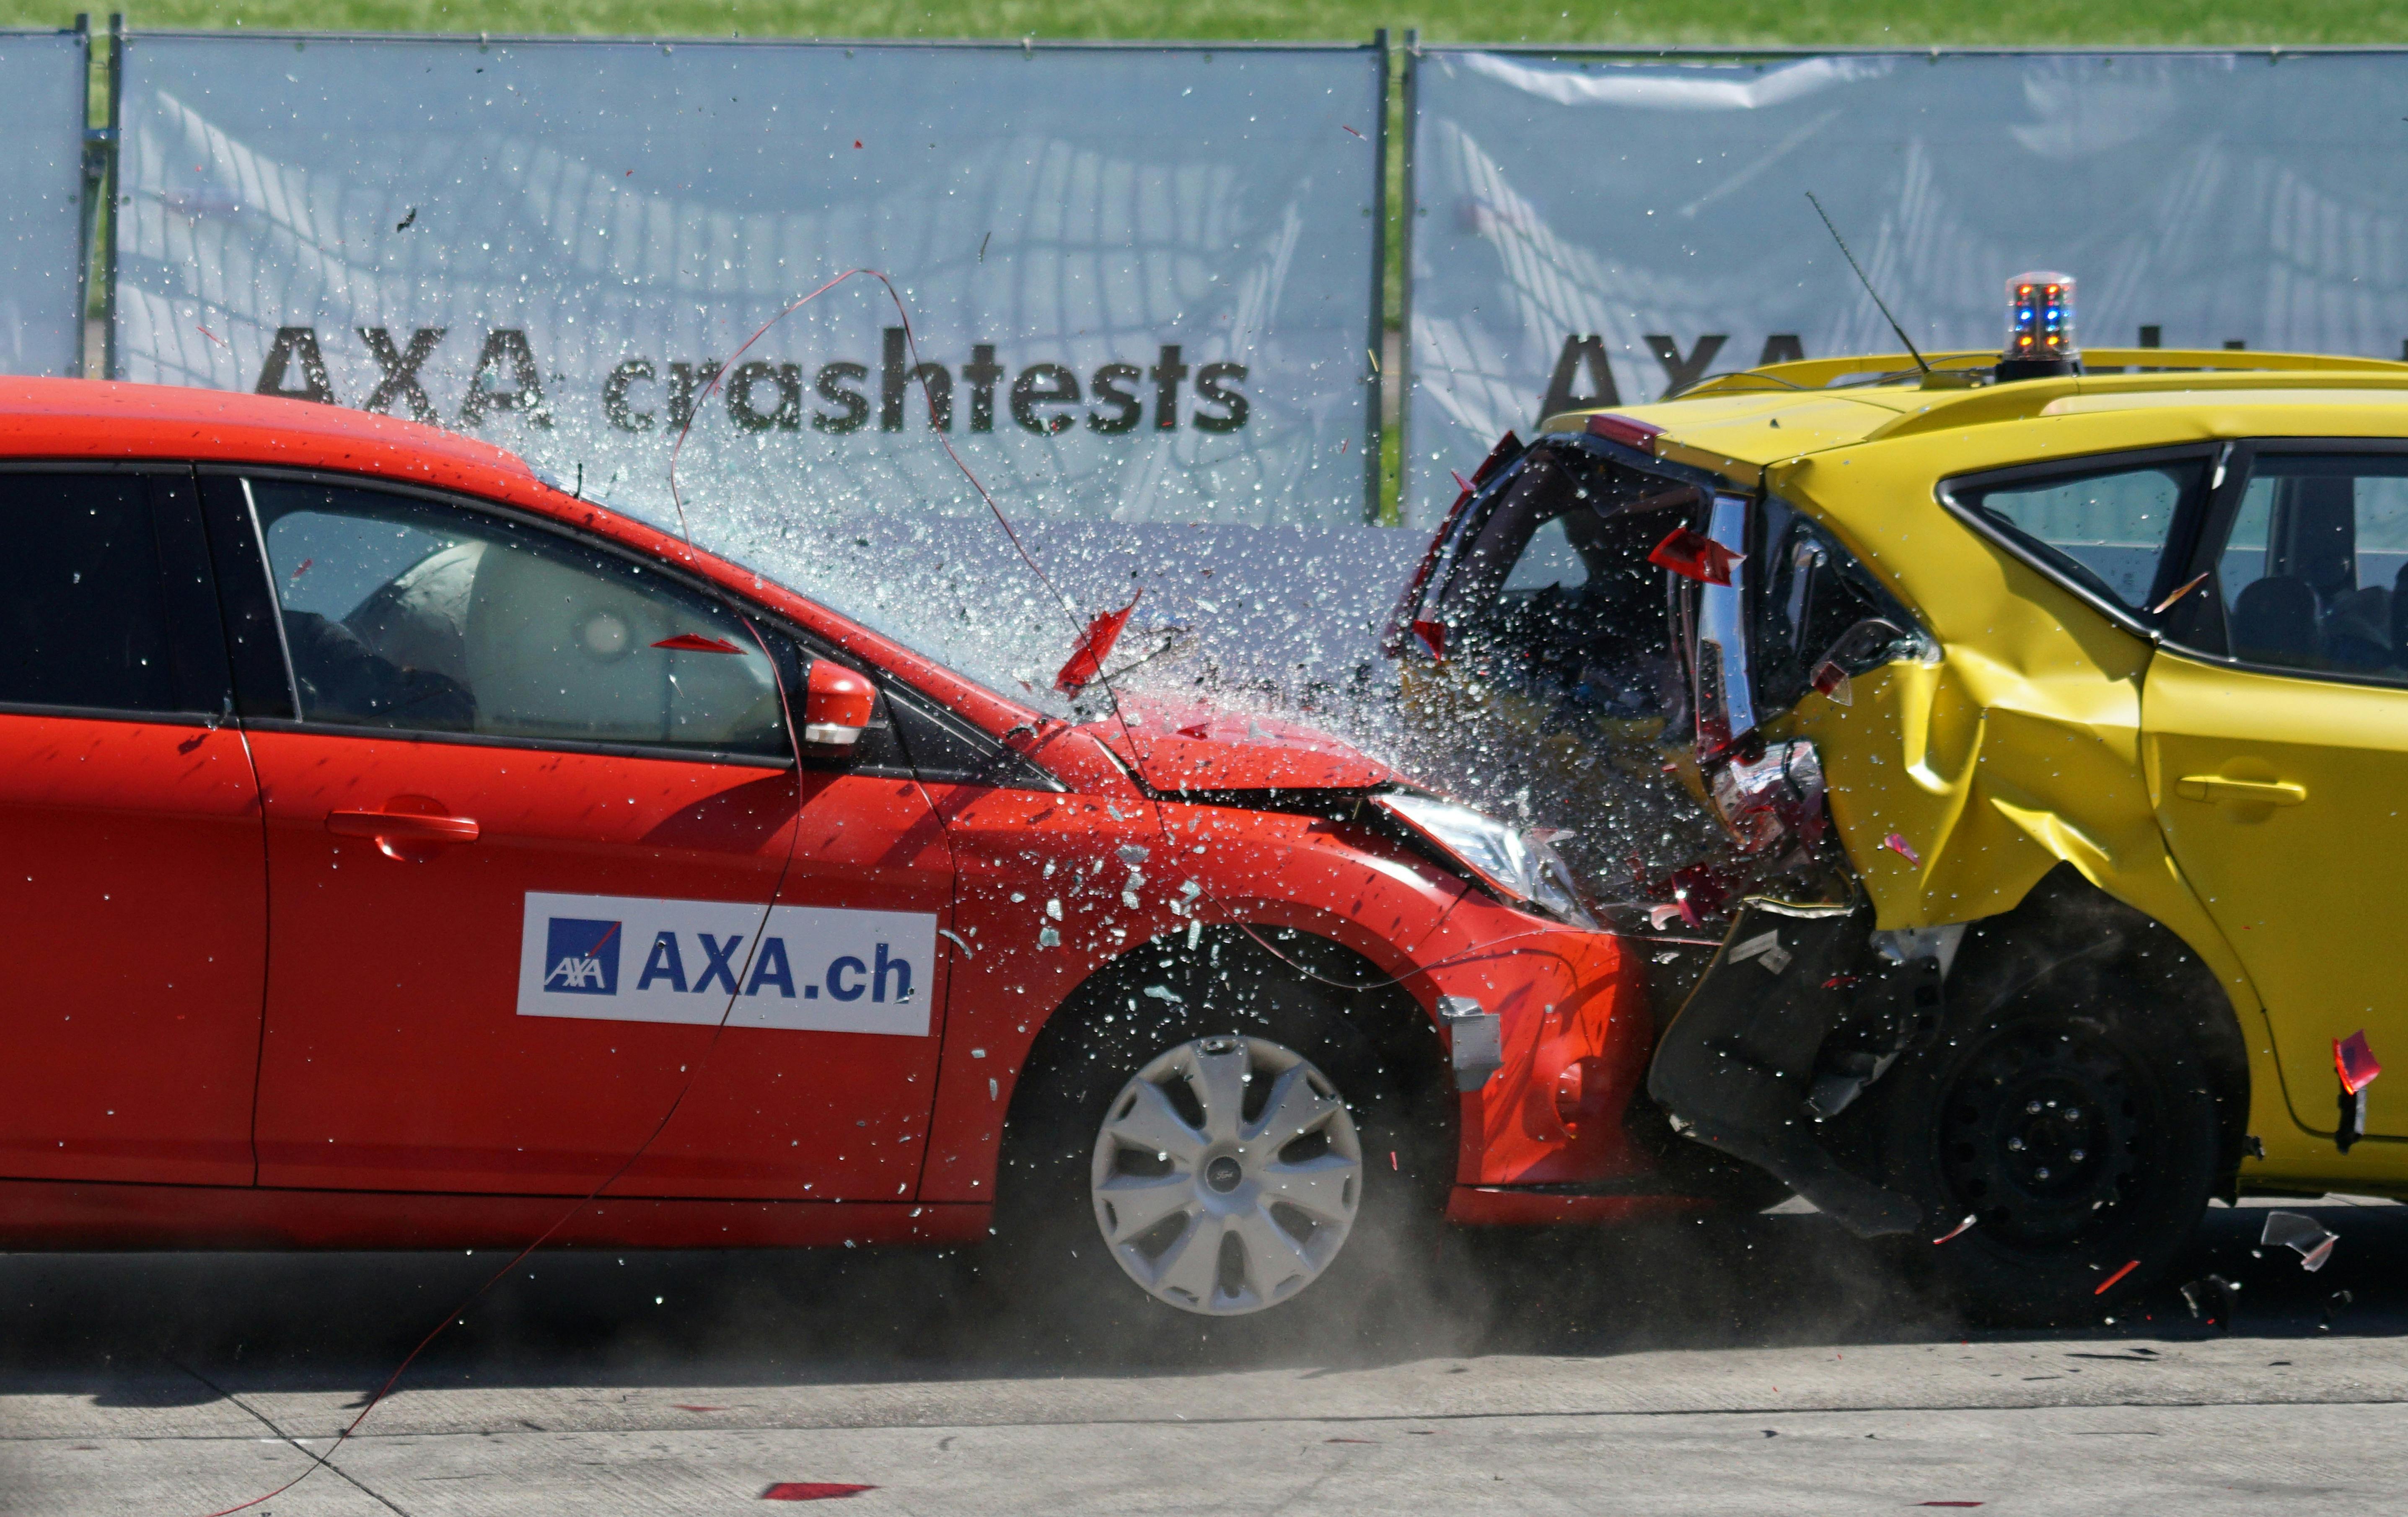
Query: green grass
(1796, 22)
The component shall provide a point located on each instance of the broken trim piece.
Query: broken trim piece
(1478, 1038)
(1735, 1069)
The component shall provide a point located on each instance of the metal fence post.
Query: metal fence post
(109, 143)
(1404, 376)
(87, 219)
(1379, 380)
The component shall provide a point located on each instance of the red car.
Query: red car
(399, 848)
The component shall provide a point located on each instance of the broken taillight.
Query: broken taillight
(1693, 555)
(1627, 430)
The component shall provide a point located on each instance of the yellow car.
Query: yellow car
(2011, 770)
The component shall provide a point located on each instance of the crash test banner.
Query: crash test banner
(42, 207)
(1140, 279)
(1596, 230)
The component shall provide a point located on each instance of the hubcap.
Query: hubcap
(2042, 1134)
(1226, 1176)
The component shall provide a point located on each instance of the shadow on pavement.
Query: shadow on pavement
(106, 1324)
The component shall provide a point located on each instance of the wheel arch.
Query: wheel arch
(2068, 935)
(1182, 961)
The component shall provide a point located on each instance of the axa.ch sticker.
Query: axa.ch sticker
(803, 968)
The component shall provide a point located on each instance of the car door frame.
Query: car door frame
(2180, 627)
(266, 693)
(200, 677)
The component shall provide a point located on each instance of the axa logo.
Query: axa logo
(581, 956)
(846, 978)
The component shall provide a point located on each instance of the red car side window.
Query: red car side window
(411, 614)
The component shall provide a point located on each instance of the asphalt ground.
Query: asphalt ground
(1763, 1364)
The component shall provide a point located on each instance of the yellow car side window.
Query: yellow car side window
(2312, 570)
(2108, 530)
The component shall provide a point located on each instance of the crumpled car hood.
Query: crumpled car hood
(1199, 749)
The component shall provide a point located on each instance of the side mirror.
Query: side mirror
(837, 704)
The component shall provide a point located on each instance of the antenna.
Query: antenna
(1866, 282)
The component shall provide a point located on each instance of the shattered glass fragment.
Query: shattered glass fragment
(2311, 1238)
(1094, 645)
(1693, 555)
(1765, 947)
(2213, 1300)
(1832, 680)
(1048, 938)
(2335, 1304)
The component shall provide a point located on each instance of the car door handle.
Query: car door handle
(2214, 787)
(403, 826)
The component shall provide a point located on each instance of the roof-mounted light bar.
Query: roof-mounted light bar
(2040, 327)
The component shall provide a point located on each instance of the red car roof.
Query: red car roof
(90, 418)
(63, 419)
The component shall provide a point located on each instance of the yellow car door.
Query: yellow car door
(2275, 724)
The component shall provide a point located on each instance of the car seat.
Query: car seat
(2275, 622)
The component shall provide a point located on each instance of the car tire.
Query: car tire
(2078, 1130)
(1148, 1048)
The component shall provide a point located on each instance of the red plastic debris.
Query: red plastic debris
(1432, 637)
(2355, 1062)
(212, 336)
(1693, 555)
(1832, 680)
(1351, 129)
(812, 1491)
(1627, 430)
(1094, 646)
(695, 642)
(2105, 1284)
(1969, 1220)
(1903, 849)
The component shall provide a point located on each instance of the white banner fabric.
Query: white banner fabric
(1140, 279)
(41, 202)
(1595, 230)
